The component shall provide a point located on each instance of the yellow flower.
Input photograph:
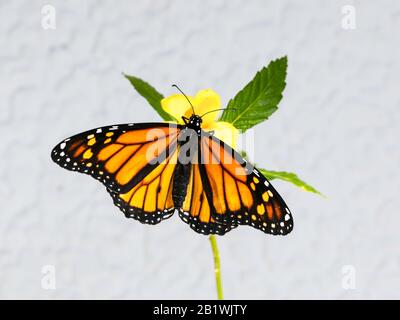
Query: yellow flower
(204, 101)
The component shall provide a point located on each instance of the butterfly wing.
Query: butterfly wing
(134, 161)
(237, 192)
(195, 208)
(196, 211)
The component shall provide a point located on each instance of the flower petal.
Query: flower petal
(205, 101)
(224, 131)
(177, 106)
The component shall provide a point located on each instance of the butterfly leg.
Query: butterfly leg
(185, 120)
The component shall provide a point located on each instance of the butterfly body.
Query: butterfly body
(187, 137)
(180, 183)
(152, 170)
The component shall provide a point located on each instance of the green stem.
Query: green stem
(217, 266)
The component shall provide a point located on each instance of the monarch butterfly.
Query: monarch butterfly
(152, 170)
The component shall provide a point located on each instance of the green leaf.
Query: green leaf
(152, 96)
(289, 177)
(259, 98)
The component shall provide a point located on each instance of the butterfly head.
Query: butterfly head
(194, 122)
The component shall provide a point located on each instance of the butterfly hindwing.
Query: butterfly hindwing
(134, 161)
(150, 200)
(196, 211)
(238, 192)
(190, 196)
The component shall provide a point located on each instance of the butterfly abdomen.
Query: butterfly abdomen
(180, 183)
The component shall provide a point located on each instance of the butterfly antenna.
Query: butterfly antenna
(174, 85)
(216, 110)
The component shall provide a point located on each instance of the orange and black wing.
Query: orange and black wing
(134, 161)
(196, 210)
(237, 192)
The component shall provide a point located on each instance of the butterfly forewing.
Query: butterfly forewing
(134, 161)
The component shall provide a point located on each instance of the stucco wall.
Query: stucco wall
(337, 127)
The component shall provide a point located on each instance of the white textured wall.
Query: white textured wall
(337, 127)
